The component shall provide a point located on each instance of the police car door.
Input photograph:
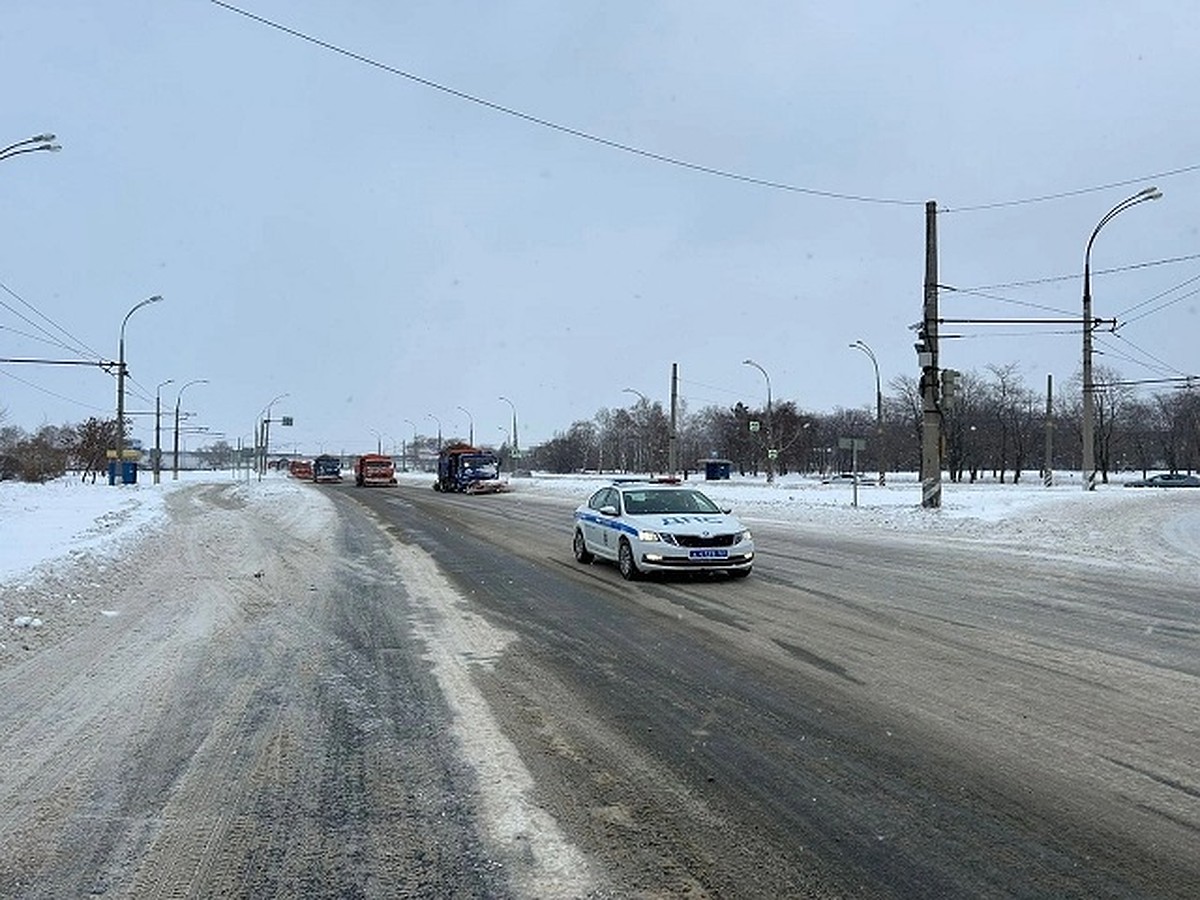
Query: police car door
(603, 537)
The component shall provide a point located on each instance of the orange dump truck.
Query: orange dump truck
(372, 468)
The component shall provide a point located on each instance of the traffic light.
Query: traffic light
(950, 387)
(923, 347)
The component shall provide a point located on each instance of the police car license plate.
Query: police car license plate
(708, 554)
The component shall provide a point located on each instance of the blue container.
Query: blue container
(716, 469)
(129, 470)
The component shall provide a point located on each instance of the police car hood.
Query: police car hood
(702, 524)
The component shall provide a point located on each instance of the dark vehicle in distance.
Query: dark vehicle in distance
(465, 469)
(327, 469)
(1167, 479)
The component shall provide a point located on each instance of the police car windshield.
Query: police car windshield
(649, 501)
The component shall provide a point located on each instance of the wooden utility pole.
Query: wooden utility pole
(927, 356)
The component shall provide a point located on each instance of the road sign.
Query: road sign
(852, 443)
(754, 425)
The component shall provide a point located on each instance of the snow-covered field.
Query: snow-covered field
(48, 526)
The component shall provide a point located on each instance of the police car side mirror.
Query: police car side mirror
(728, 510)
(608, 511)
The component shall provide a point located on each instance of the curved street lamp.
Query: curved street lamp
(121, 379)
(439, 425)
(516, 450)
(262, 431)
(861, 345)
(175, 452)
(770, 437)
(416, 457)
(31, 145)
(642, 398)
(470, 425)
(158, 428)
(1089, 408)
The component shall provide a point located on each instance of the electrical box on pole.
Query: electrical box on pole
(950, 388)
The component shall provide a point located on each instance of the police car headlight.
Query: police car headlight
(644, 535)
(743, 535)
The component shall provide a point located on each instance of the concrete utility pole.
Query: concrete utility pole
(673, 437)
(927, 356)
(1048, 465)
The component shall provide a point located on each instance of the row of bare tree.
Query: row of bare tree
(53, 450)
(997, 426)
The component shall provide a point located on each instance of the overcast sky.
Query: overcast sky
(380, 250)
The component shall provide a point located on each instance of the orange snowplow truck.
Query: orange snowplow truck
(371, 468)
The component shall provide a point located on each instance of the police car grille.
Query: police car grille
(695, 540)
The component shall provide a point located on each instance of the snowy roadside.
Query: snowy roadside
(1150, 528)
(68, 546)
(52, 529)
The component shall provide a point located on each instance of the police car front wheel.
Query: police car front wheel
(582, 554)
(625, 561)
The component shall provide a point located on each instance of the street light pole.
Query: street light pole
(1089, 400)
(439, 425)
(470, 425)
(175, 451)
(158, 428)
(31, 145)
(770, 436)
(416, 457)
(641, 431)
(516, 450)
(265, 419)
(121, 379)
(860, 345)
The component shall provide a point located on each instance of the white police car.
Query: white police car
(655, 527)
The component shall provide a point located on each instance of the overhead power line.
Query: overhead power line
(986, 296)
(1077, 276)
(37, 387)
(1077, 192)
(76, 346)
(672, 160)
(1156, 365)
(564, 129)
(1159, 296)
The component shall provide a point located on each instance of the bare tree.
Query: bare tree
(1113, 401)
